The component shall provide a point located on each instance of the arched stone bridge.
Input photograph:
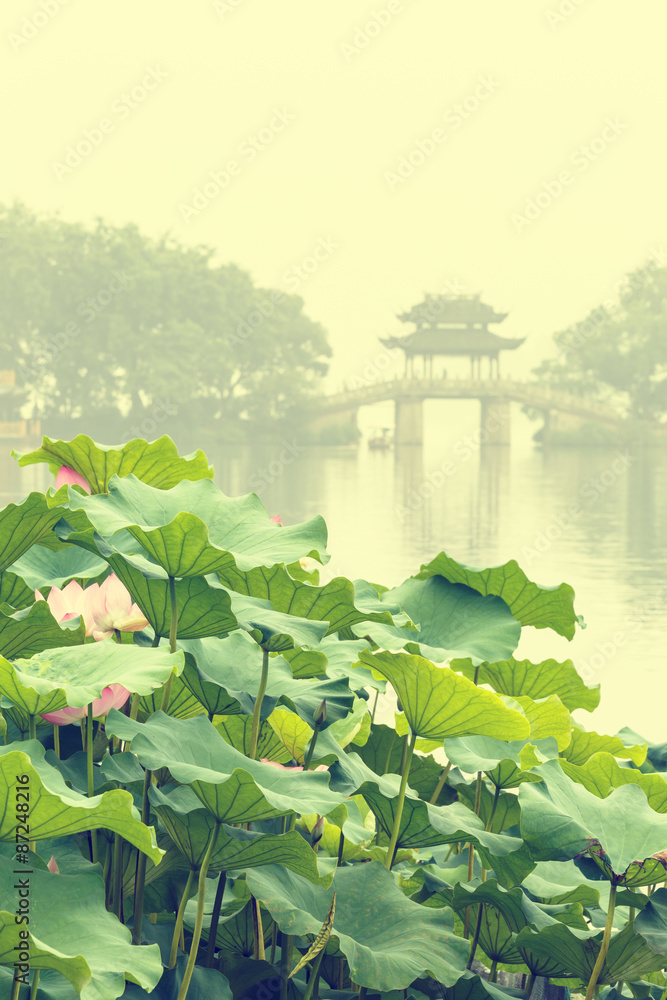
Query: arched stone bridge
(495, 396)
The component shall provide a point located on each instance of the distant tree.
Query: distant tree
(619, 351)
(111, 329)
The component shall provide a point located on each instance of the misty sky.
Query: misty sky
(305, 110)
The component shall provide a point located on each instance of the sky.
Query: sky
(359, 154)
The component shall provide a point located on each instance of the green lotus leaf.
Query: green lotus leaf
(15, 591)
(439, 703)
(43, 567)
(473, 987)
(307, 663)
(23, 524)
(584, 744)
(348, 820)
(56, 810)
(192, 529)
(273, 629)
(91, 948)
(233, 788)
(562, 952)
(225, 676)
(156, 463)
(76, 676)
(454, 619)
(601, 773)
(189, 826)
(237, 731)
(651, 923)
(202, 610)
(383, 753)
(333, 603)
(548, 718)
(34, 629)
(341, 654)
(536, 680)
(388, 939)
(235, 935)
(560, 819)
(506, 813)
(503, 762)
(182, 703)
(292, 732)
(564, 882)
(530, 603)
(206, 984)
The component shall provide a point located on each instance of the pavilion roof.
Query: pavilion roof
(460, 310)
(464, 341)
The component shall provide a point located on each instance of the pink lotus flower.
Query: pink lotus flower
(287, 767)
(53, 865)
(108, 608)
(70, 477)
(276, 519)
(113, 696)
(65, 603)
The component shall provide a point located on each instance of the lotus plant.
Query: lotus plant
(70, 477)
(106, 608)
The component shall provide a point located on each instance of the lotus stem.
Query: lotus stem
(215, 919)
(478, 793)
(134, 711)
(173, 632)
(475, 938)
(405, 771)
(286, 949)
(156, 640)
(140, 878)
(375, 705)
(32, 727)
(56, 741)
(274, 942)
(199, 919)
(391, 747)
(494, 806)
(91, 782)
(179, 920)
(314, 977)
(118, 876)
(441, 784)
(15, 990)
(528, 985)
(311, 750)
(254, 734)
(493, 971)
(604, 947)
(258, 930)
(34, 985)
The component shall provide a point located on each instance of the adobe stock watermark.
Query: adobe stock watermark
(464, 449)
(35, 22)
(607, 650)
(224, 7)
(453, 118)
(365, 33)
(88, 310)
(248, 151)
(293, 278)
(263, 477)
(121, 109)
(564, 10)
(579, 162)
(589, 492)
(373, 370)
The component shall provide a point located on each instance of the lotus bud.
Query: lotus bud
(399, 707)
(53, 865)
(320, 716)
(317, 831)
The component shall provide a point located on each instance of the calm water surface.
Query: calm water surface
(594, 518)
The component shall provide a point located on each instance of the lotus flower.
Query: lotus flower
(53, 865)
(276, 519)
(70, 477)
(288, 767)
(108, 608)
(65, 603)
(113, 696)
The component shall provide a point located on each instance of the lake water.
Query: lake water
(595, 518)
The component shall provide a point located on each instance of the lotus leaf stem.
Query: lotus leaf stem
(493, 971)
(375, 705)
(173, 632)
(32, 727)
(176, 937)
(314, 979)
(215, 919)
(286, 949)
(258, 930)
(311, 748)
(254, 734)
(494, 806)
(441, 784)
(34, 985)
(405, 771)
(91, 783)
(118, 876)
(56, 741)
(475, 938)
(140, 878)
(15, 989)
(199, 919)
(604, 947)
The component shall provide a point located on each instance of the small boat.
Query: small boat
(381, 439)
